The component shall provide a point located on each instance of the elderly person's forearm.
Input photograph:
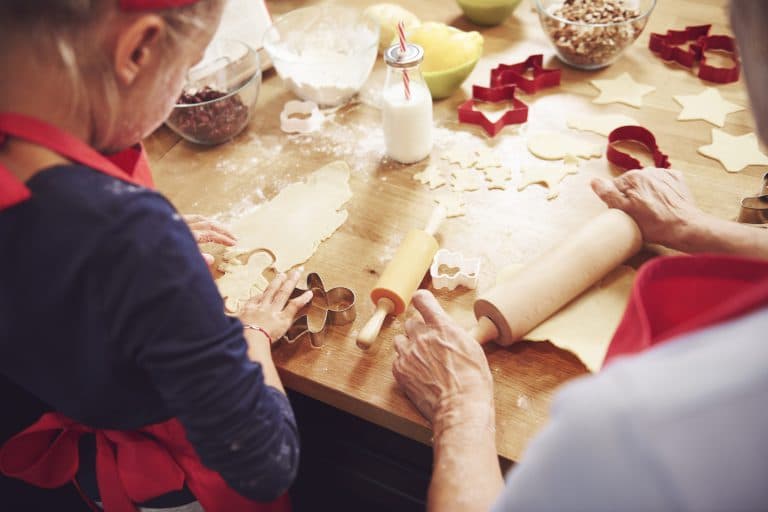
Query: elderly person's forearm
(708, 233)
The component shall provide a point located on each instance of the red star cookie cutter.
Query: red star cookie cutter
(635, 134)
(669, 47)
(505, 74)
(516, 115)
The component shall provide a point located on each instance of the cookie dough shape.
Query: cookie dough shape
(294, 223)
(585, 326)
(707, 106)
(600, 124)
(498, 178)
(622, 89)
(465, 158)
(549, 177)
(734, 152)
(555, 146)
(486, 159)
(432, 177)
(241, 281)
(466, 180)
(453, 202)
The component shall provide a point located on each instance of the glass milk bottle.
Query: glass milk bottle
(406, 106)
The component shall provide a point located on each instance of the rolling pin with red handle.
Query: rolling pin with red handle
(402, 277)
(514, 307)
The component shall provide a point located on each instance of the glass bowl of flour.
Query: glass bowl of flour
(323, 53)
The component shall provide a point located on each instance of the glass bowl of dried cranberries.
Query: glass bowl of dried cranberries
(220, 94)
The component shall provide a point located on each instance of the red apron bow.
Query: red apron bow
(679, 294)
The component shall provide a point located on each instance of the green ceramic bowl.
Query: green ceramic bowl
(488, 12)
(444, 83)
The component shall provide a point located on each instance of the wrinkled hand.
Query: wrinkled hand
(205, 230)
(272, 310)
(657, 199)
(442, 369)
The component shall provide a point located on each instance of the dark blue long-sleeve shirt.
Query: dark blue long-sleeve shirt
(109, 315)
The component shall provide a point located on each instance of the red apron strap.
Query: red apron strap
(679, 294)
(12, 191)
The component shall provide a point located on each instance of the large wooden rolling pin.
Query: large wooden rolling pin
(513, 308)
(402, 277)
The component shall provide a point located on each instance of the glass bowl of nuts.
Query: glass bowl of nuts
(220, 94)
(592, 34)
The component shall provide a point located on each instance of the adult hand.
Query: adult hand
(442, 369)
(272, 310)
(206, 230)
(657, 199)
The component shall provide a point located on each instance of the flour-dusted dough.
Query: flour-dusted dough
(241, 281)
(734, 152)
(432, 176)
(549, 177)
(466, 180)
(294, 222)
(453, 202)
(555, 146)
(708, 106)
(465, 158)
(586, 325)
(486, 159)
(498, 178)
(600, 124)
(622, 89)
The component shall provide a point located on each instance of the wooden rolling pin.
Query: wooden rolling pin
(513, 308)
(401, 277)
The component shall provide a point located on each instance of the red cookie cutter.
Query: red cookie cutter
(635, 134)
(505, 74)
(668, 47)
(516, 115)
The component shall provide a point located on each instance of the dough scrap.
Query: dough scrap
(734, 152)
(486, 159)
(241, 281)
(708, 106)
(555, 146)
(294, 223)
(549, 177)
(465, 158)
(431, 176)
(586, 325)
(600, 124)
(466, 180)
(453, 202)
(622, 89)
(498, 178)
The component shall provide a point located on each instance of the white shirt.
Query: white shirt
(681, 427)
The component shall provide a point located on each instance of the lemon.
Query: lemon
(450, 55)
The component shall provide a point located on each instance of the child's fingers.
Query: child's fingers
(269, 294)
(295, 305)
(205, 236)
(284, 293)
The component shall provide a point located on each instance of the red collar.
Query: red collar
(129, 165)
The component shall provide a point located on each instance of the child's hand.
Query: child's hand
(271, 310)
(205, 230)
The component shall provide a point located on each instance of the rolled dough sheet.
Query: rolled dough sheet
(555, 146)
(586, 325)
(294, 223)
(241, 281)
(600, 124)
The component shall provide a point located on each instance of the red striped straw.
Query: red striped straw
(406, 78)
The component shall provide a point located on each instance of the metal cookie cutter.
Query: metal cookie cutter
(635, 134)
(516, 115)
(467, 275)
(332, 307)
(308, 124)
(754, 210)
(505, 74)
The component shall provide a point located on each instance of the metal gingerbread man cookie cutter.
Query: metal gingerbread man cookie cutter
(754, 210)
(328, 307)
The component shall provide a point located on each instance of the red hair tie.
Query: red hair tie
(153, 5)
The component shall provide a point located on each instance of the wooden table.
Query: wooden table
(501, 226)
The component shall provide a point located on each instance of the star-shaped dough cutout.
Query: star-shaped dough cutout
(498, 178)
(466, 180)
(549, 177)
(465, 158)
(734, 152)
(432, 176)
(453, 202)
(708, 106)
(622, 89)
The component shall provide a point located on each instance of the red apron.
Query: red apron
(131, 466)
(675, 295)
